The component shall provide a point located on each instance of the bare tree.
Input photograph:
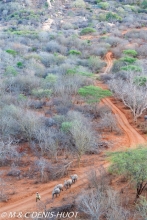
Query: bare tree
(49, 141)
(99, 204)
(8, 152)
(42, 167)
(133, 95)
(108, 121)
(92, 204)
(82, 133)
(3, 190)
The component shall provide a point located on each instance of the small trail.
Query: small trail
(108, 59)
(47, 24)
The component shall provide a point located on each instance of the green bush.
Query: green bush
(132, 53)
(46, 5)
(87, 30)
(76, 71)
(79, 4)
(142, 11)
(104, 5)
(141, 80)
(65, 126)
(10, 70)
(128, 59)
(41, 93)
(22, 97)
(102, 17)
(144, 4)
(93, 94)
(20, 65)
(74, 52)
(131, 68)
(110, 16)
(12, 52)
(133, 165)
(23, 32)
(52, 78)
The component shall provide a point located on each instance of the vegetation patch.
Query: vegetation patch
(52, 78)
(12, 52)
(87, 30)
(78, 72)
(24, 15)
(110, 16)
(133, 165)
(131, 68)
(93, 93)
(75, 52)
(41, 93)
(103, 5)
(128, 59)
(10, 70)
(132, 53)
(23, 32)
(20, 65)
(65, 126)
(141, 80)
(144, 4)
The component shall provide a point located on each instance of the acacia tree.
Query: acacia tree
(133, 165)
(132, 93)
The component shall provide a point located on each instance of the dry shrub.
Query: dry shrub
(46, 171)
(98, 204)
(109, 122)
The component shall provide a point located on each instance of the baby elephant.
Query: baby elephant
(60, 186)
(67, 183)
(56, 192)
(74, 178)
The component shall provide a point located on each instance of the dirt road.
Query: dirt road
(134, 137)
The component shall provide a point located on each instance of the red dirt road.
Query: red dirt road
(134, 137)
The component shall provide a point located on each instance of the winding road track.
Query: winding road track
(134, 137)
